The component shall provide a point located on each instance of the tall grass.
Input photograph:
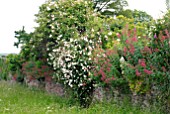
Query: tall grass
(17, 99)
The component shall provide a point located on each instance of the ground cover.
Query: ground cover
(18, 99)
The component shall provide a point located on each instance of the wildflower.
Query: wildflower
(113, 78)
(125, 50)
(155, 36)
(110, 33)
(132, 49)
(167, 33)
(127, 41)
(147, 71)
(92, 30)
(118, 35)
(164, 69)
(156, 50)
(118, 40)
(107, 80)
(108, 69)
(134, 39)
(138, 73)
(142, 62)
(147, 49)
(163, 38)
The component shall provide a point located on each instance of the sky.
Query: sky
(17, 13)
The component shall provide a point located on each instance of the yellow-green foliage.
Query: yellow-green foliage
(120, 24)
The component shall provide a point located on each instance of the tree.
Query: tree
(137, 15)
(167, 4)
(109, 7)
(127, 13)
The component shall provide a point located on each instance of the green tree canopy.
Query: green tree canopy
(109, 7)
(137, 15)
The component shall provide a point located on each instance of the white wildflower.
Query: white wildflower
(106, 37)
(48, 8)
(118, 40)
(110, 33)
(92, 30)
(85, 39)
(89, 53)
(60, 36)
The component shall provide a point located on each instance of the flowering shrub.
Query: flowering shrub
(120, 24)
(15, 64)
(74, 29)
(107, 70)
(36, 70)
(160, 60)
(147, 66)
(136, 68)
(85, 48)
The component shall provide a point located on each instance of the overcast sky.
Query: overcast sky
(17, 13)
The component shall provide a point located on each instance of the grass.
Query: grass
(17, 99)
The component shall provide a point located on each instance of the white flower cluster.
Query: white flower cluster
(72, 60)
(69, 50)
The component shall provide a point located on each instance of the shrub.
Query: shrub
(107, 70)
(147, 66)
(74, 26)
(4, 68)
(15, 66)
(36, 70)
(160, 60)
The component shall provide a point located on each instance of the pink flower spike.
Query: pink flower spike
(118, 35)
(142, 63)
(147, 71)
(134, 39)
(138, 73)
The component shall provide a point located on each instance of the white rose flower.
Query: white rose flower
(122, 60)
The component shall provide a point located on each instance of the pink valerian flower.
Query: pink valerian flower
(108, 69)
(163, 38)
(137, 73)
(132, 49)
(167, 33)
(156, 50)
(134, 39)
(118, 35)
(142, 62)
(127, 41)
(147, 49)
(95, 74)
(101, 72)
(107, 80)
(125, 50)
(14, 78)
(147, 71)
(109, 52)
(103, 78)
(129, 33)
(164, 69)
(134, 30)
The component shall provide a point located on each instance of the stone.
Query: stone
(55, 88)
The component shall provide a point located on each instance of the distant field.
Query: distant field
(17, 99)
